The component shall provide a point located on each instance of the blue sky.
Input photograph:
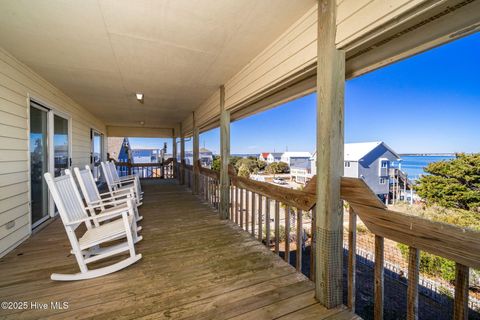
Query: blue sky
(427, 103)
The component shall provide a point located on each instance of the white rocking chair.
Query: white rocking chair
(124, 179)
(87, 247)
(117, 185)
(106, 200)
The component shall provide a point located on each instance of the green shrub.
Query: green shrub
(433, 265)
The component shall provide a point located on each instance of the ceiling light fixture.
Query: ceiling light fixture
(139, 97)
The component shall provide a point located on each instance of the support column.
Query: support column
(182, 155)
(329, 209)
(225, 157)
(196, 150)
(174, 153)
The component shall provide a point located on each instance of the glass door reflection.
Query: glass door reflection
(60, 145)
(38, 164)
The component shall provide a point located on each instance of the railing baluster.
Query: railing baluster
(460, 308)
(260, 231)
(379, 261)
(217, 193)
(253, 213)
(241, 208)
(412, 293)
(209, 191)
(267, 221)
(236, 205)
(299, 240)
(287, 234)
(247, 196)
(231, 202)
(206, 183)
(352, 255)
(277, 227)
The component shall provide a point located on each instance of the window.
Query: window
(384, 164)
(382, 180)
(347, 164)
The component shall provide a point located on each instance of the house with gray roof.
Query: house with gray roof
(370, 161)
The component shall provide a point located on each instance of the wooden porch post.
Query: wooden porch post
(174, 153)
(329, 209)
(182, 155)
(196, 168)
(225, 157)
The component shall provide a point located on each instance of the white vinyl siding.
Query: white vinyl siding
(17, 83)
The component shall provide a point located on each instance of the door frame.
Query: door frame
(51, 159)
(51, 110)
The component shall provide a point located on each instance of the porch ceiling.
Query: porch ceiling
(176, 52)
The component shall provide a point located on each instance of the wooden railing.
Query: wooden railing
(447, 241)
(148, 170)
(251, 203)
(260, 208)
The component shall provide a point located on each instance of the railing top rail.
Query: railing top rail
(459, 244)
(148, 164)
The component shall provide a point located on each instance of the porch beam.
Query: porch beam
(196, 151)
(330, 108)
(225, 157)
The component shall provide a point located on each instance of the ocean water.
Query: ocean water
(414, 165)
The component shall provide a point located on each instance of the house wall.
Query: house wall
(351, 171)
(369, 169)
(17, 83)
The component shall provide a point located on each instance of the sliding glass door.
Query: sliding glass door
(97, 152)
(49, 152)
(61, 145)
(38, 163)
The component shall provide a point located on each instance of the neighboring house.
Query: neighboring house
(263, 156)
(274, 157)
(145, 155)
(370, 161)
(296, 159)
(301, 169)
(205, 155)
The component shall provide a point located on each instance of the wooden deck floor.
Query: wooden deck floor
(194, 266)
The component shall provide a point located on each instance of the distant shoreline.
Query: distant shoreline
(427, 154)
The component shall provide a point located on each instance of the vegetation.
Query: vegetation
(453, 183)
(252, 165)
(433, 265)
(277, 167)
(243, 166)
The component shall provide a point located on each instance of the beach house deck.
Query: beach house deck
(194, 266)
(75, 72)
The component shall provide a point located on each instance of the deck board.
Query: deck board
(194, 266)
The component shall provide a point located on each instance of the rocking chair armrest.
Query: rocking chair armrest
(117, 193)
(129, 177)
(111, 200)
(97, 204)
(126, 182)
(103, 216)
